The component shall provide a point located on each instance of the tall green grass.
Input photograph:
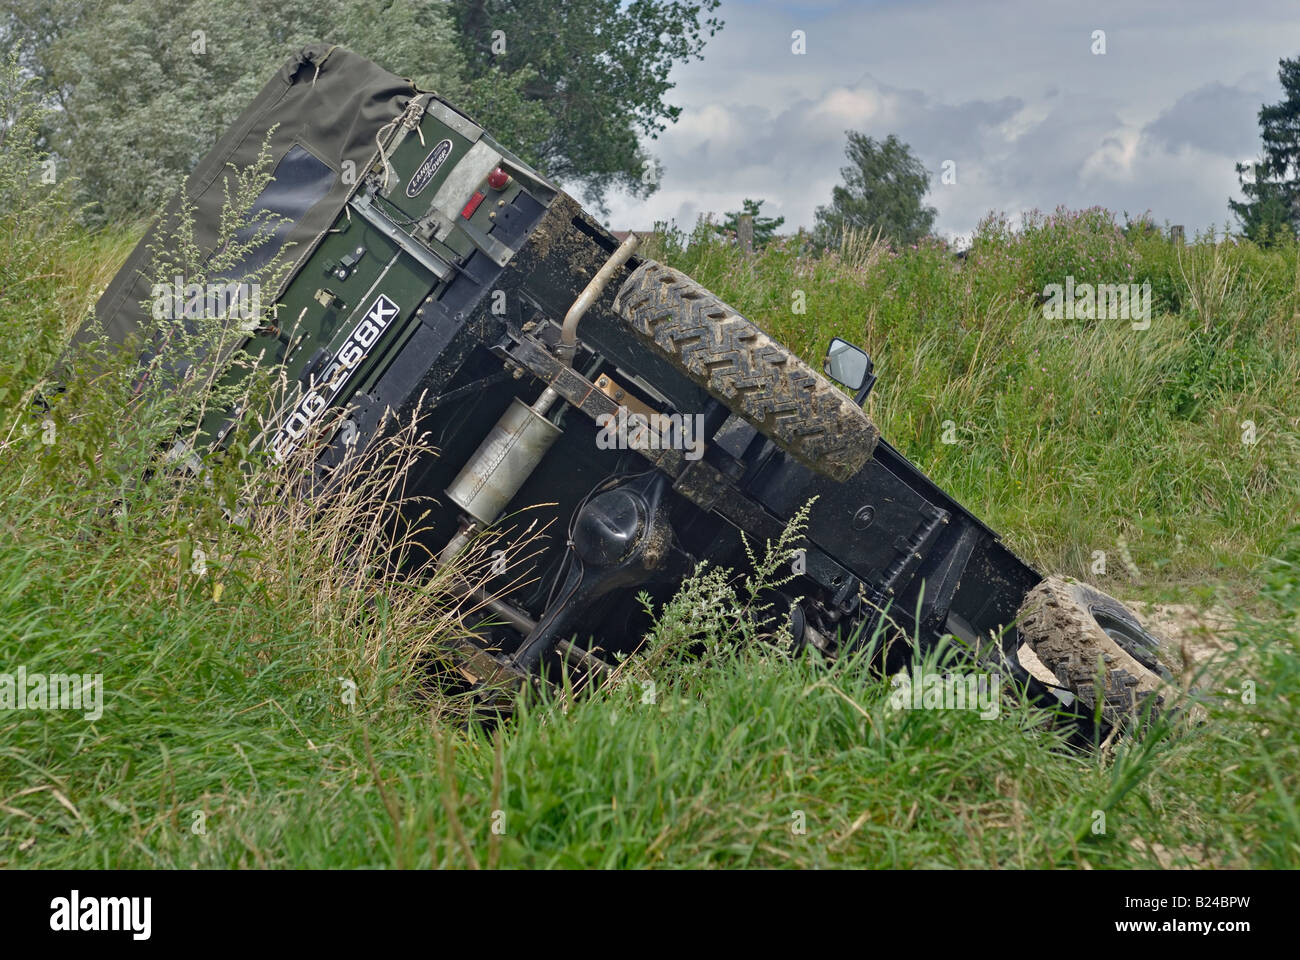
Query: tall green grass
(267, 707)
(228, 738)
(1070, 435)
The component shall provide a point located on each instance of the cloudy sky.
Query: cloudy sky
(1009, 90)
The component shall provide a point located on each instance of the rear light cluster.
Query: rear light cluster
(470, 207)
(497, 180)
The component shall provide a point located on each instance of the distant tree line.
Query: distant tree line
(140, 90)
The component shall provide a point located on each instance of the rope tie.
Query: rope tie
(321, 61)
(410, 119)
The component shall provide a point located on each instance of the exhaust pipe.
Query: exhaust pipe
(569, 332)
(503, 462)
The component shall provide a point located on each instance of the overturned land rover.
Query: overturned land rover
(574, 387)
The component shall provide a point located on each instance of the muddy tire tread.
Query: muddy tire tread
(740, 365)
(1056, 622)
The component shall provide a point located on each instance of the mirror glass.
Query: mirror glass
(846, 363)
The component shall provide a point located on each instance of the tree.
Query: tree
(143, 90)
(764, 227)
(1268, 213)
(883, 188)
(1272, 185)
(572, 87)
(598, 69)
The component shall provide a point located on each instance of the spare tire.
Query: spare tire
(1095, 647)
(741, 366)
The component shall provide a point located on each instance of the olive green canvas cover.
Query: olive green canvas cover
(320, 115)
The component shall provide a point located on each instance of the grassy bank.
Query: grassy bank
(1068, 436)
(262, 704)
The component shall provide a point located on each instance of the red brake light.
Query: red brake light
(470, 207)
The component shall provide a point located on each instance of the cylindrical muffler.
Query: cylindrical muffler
(503, 462)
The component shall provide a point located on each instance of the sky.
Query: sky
(1011, 92)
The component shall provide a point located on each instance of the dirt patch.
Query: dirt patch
(1185, 857)
(1191, 637)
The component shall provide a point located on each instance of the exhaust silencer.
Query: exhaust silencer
(503, 462)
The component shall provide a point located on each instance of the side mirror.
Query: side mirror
(847, 364)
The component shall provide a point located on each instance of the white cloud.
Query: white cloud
(1114, 159)
(1009, 92)
(857, 108)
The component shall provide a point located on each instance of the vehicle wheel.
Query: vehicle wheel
(1095, 648)
(740, 365)
(1122, 626)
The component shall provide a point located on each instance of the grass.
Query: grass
(226, 740)
(1067, 436)
(264, 708)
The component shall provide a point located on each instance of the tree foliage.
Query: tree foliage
(142, 90)
(597, 69)
(883, 188)
(764, 227)
(1272, 185)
